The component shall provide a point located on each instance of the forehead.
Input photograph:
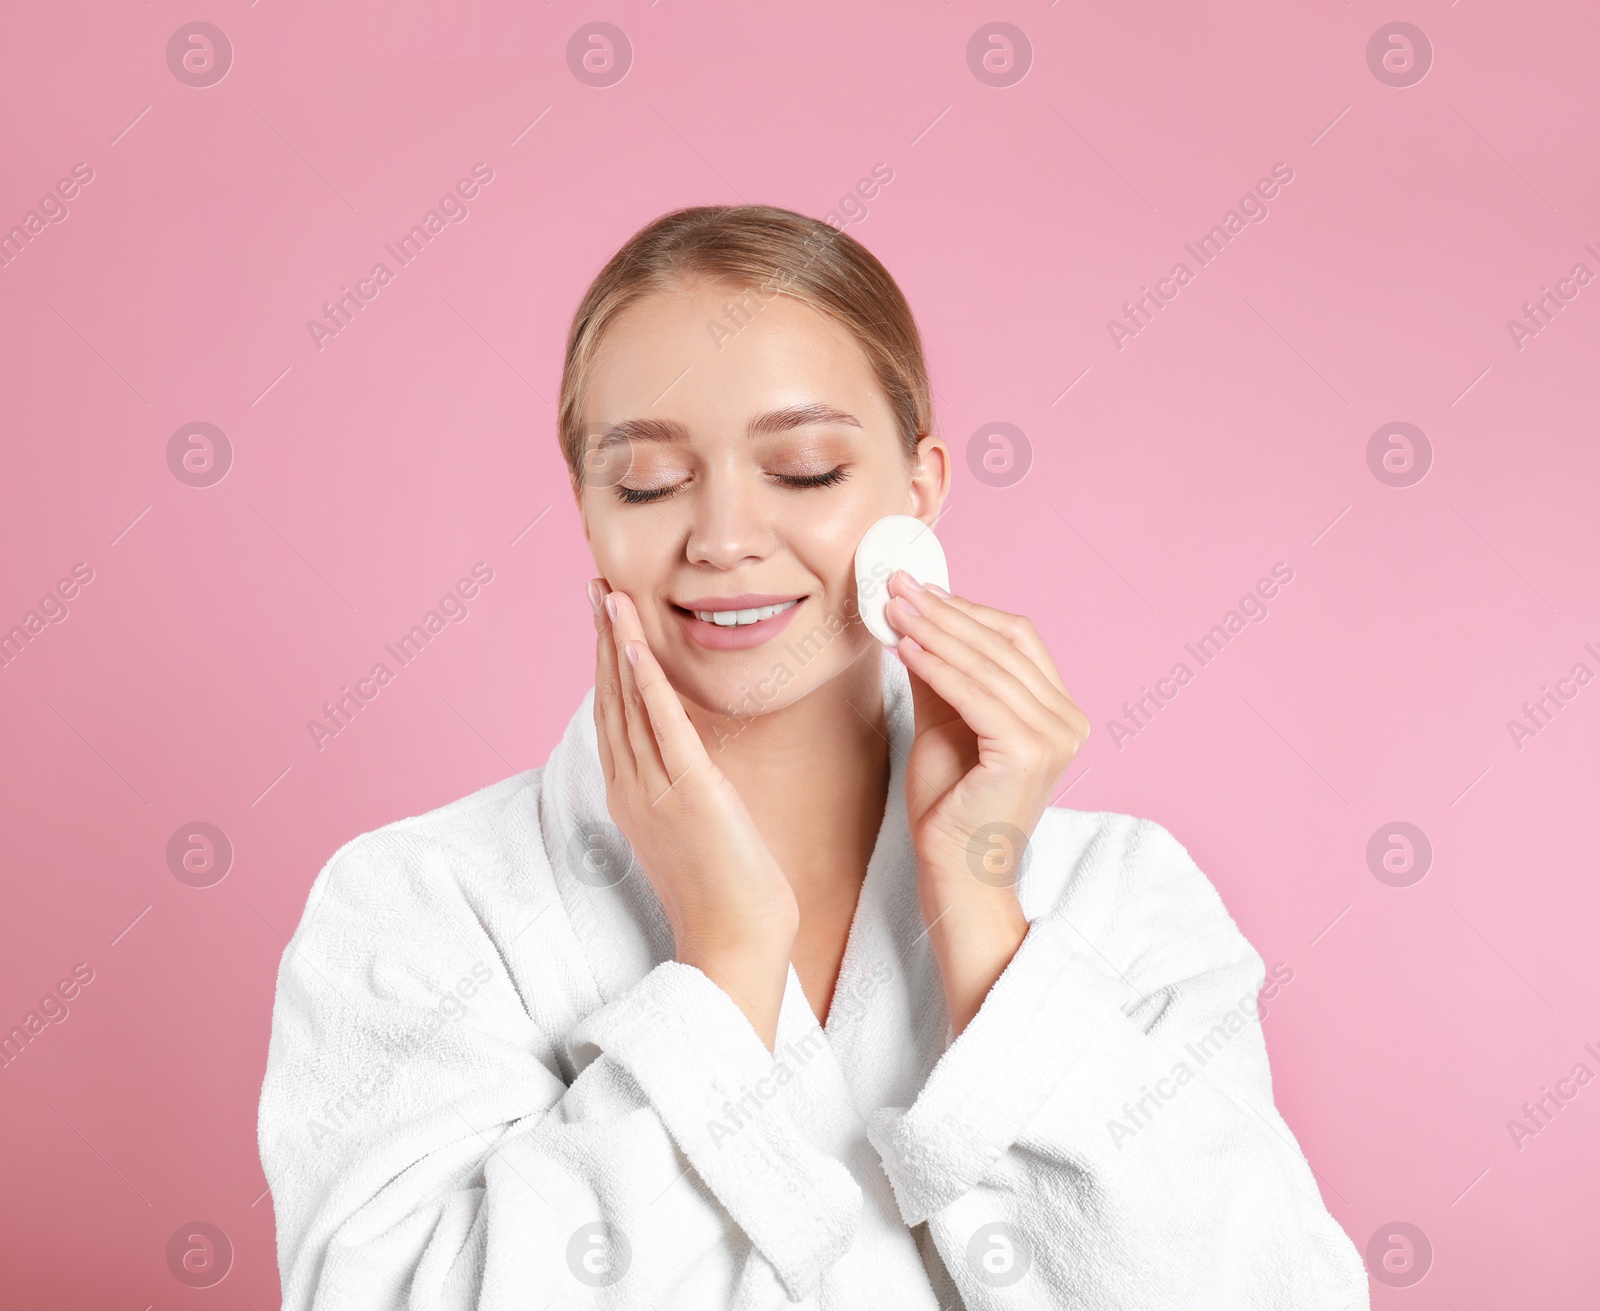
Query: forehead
(711, 354)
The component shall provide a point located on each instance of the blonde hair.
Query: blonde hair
(763, 250)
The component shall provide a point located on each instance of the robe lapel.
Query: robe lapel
(887, 1024)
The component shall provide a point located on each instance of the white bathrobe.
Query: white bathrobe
(490, 1086)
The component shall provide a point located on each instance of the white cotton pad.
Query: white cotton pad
(895, 542)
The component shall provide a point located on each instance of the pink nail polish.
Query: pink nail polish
(611, 605)
(594, 595)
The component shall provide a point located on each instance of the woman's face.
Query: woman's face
(731, 474)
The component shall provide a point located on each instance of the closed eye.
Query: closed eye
(831, 478)
(649, 495)
(645, 495)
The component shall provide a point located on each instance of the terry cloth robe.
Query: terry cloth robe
(490, 1086)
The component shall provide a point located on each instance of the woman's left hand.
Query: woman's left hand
(995, 730)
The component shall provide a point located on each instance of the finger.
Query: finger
(993, 678)
(988, 636)
(608, 722)
(1015, 628)
(628, 632)
(1064, 717)
(984, 713)
(680, 745)
(1012, 641)
(641, 738)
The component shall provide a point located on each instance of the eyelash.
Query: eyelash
(646, 496)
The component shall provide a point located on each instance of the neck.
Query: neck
(814, 777)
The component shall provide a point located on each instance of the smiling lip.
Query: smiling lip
(740, 637)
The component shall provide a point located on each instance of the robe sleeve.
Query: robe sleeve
(1102, 1134)
(424, 1153)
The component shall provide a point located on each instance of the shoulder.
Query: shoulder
(1128, 883)
(429, 861)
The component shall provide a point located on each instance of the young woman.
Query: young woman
(780, 983)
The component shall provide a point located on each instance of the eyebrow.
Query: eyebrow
(800, 416)
(763, 425)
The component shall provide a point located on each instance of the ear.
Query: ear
(930, 477)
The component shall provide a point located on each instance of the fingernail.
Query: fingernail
(906, 601)
(938, 591)
(631, 649)
(911, 582)
(611, 605)
(594, 595)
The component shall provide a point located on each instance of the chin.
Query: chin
(770, 678)
(744, 688)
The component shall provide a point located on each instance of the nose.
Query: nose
(730, 526)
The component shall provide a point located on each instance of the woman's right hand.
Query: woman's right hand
(732, 911)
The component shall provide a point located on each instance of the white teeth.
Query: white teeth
(732, 618)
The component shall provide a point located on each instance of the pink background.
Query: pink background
(1167, 476)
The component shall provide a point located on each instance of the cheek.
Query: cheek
(630, 553)
(826, 547)
(621, 556)
(826, 537)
